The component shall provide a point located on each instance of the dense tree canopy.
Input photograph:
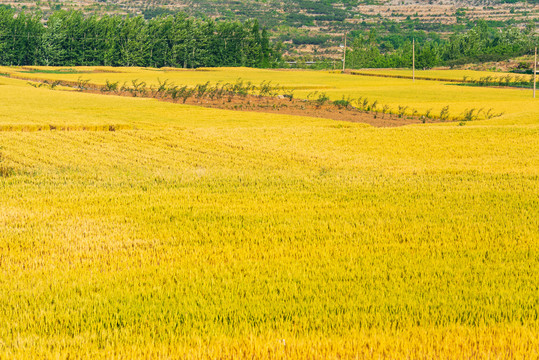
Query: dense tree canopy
(479, 44)
(68, 38)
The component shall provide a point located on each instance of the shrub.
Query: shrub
(82, 84)
(322, 99)
(343, 103)
(110, 86)
(402, 111)
(444, 113)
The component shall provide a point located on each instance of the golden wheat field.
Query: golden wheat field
(134, 228)
(444, 75)
(515, 106)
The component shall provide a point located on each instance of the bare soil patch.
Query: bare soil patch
(298, 107)
(301, 107)
(265, 104)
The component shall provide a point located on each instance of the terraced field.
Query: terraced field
(131, 227)
(444, 75)
(419, 97)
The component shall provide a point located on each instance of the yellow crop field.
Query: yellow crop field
(31, 109)
(134, 228)
(444, 74)
(419, 97)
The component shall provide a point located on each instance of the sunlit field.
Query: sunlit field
(134, 228)
(445, 74)
(419, 97)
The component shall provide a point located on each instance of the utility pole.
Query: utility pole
(413, 59)
(344, 54)
(534, 71)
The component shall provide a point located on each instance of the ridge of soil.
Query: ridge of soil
(299, 107)
(268, 104)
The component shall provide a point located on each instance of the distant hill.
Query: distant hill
(314, 14)
(314, 28)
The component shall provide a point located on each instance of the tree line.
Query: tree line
(68, 38)
(479, 44)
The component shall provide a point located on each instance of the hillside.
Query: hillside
(313, 30)
(327, 14)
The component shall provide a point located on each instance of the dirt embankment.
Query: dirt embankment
(299, 107)
(255, 103)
